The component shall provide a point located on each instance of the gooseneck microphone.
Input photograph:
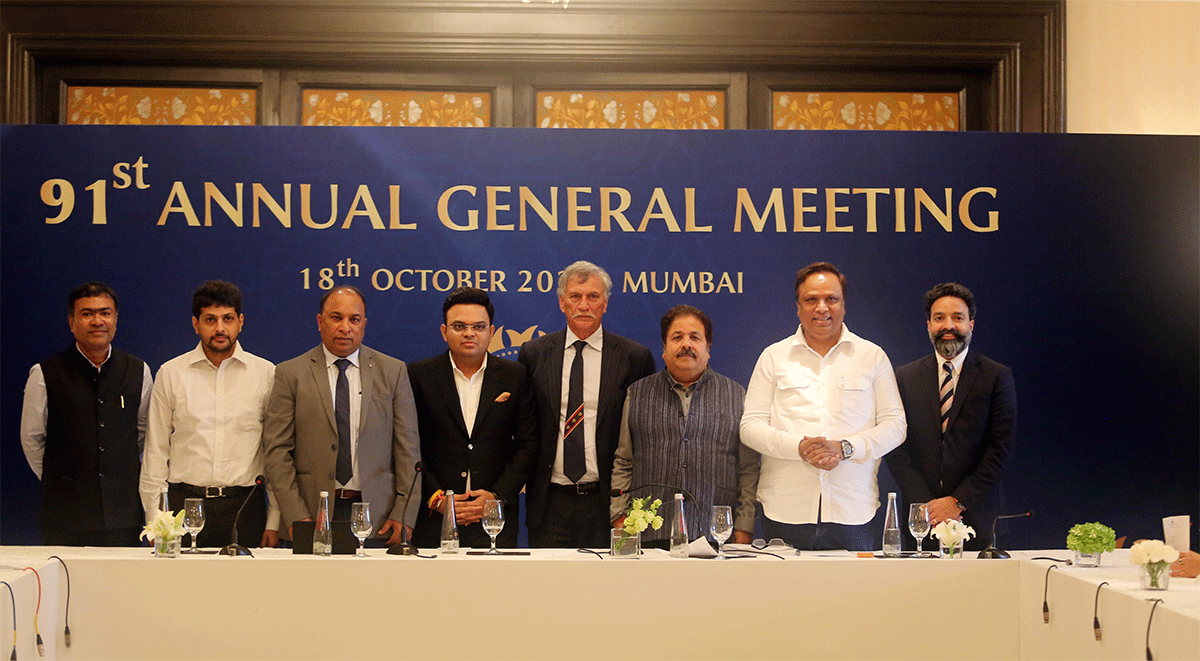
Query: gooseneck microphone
(234, 548)
(616, 493)
(993, 553)
(405, 547)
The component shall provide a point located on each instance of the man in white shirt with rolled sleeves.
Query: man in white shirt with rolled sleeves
(204, 435)
(823, 409)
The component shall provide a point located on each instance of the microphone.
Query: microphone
(993, 553)
(405, 547)
(616, 493)
(234, 548)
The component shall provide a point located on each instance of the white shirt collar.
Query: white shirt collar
(799, 340)
(330, 358)
(197, 354)
(454, 366)
(106, 356)
(956, 362)
(595, 340)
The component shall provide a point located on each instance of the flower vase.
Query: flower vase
(951, 552)
(624, 545)
(1155, 575)
(167, 548)
(1087, 559)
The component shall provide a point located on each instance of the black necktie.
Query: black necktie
(341, 412)
(574, 463)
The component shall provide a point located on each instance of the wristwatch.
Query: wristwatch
(847, 450)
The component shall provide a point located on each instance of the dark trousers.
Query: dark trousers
(820, 536)
(572, 521)
(219, 514)
(117, 537)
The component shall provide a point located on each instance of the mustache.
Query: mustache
(686, 351)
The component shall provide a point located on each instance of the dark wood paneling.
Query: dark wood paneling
(1013, 49)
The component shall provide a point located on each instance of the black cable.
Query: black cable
(67, 612)
(595, 553)
(13, 598)
(1096, 611)
(1149, 656)
(756, 552)
(1045, 591)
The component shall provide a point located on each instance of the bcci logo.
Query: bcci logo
(510, 349)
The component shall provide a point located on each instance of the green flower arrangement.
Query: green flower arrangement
(642, 514)
(1091, 538)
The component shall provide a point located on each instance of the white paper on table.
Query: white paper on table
(700, 548)
(1177, 532)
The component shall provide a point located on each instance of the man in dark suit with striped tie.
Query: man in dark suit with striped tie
(579, 399)
(961, 409)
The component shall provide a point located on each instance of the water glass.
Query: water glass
(360, 525)
(193, 520)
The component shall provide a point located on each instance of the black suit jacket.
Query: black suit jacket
(622, 361)
(499, 451)
(979, 438)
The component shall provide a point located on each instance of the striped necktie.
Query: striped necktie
(946, 395)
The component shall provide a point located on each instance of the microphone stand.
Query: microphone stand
(405, 547)
(993, 553)
(235, 549)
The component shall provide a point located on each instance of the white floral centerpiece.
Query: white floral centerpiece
(1154, 556)
(951, 533)
(642, 514)
(164, 530)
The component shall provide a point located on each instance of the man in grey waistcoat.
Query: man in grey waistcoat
(679, 431)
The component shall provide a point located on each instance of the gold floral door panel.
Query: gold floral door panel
(889, 111)
(631, 109)
(161, 105)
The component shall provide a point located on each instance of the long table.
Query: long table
(562, 604)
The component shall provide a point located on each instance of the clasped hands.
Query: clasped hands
(821, 452)
(468, 507)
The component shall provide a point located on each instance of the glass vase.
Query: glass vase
(951, 552)
(1155, 576)
(167, 548)
(1087, 559)
(622, 545)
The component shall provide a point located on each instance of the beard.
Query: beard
(949, 348)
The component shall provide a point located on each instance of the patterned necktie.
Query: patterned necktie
(574, 463)
(341, 412)
(947, 394)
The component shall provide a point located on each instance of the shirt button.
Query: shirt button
(470, 446)
(101, 423)
(333, 447)
(100, 401)
(102, 448)
(464, 473)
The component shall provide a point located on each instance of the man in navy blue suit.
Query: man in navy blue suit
(477, 423)
(961, 409)
(579, 399)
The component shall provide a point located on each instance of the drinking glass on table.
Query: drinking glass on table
(493, 521)
(360, 525)
(721, 527)
(193, 520)
(918, 523)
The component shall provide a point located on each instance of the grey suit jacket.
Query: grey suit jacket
(300, 437)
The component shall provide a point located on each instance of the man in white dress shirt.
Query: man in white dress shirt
(823, 409)
(204, 437)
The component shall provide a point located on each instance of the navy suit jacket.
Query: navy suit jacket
(979, 438)
(622, 361)
(499, 451)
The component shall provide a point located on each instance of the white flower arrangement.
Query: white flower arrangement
(1155, 555)
(164, 526)
(951, 533)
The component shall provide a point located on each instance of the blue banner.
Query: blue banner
(1081, 250)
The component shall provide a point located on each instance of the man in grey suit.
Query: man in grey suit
(341, 419)
(579, 400)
